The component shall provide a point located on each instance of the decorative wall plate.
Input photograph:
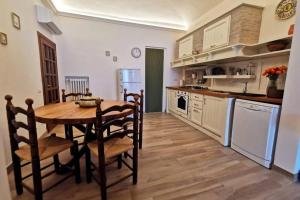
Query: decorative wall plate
(286, 9)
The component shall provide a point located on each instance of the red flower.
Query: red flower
(276, 70)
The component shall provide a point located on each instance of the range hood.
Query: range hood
(45, 18)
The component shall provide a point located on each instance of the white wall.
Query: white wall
(20, 73)
(287, 155)
(4, 187)
(81, 51)
(272, 28)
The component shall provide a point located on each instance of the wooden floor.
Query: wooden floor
(180, 163)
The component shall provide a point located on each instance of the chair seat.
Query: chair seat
(59, 130)
(48, 147)
(113, 147)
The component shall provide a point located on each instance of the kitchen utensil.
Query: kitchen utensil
(218, 71)
(277, 45)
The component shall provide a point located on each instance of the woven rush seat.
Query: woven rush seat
(113, 147)
(48, 147)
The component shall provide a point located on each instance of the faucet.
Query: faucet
(245, 88)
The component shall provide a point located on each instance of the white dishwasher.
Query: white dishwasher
(254, 130)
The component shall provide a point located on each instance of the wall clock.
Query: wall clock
(136, 52)
(286, 9)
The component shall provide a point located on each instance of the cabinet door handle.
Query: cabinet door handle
(196, 111)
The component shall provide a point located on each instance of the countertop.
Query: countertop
(263, 99)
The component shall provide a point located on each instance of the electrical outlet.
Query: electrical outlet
(107, 53)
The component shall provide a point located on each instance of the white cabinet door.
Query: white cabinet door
(186, 47)
(217, 35)
(196, 116)
(214, 114)
(172, 100)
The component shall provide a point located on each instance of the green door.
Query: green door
(154, 79)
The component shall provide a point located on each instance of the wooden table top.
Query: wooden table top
(71, 113)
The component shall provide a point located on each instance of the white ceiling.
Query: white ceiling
(176, 14)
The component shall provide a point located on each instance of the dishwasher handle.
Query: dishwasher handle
(255, 110)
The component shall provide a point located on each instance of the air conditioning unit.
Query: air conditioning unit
(45, 18)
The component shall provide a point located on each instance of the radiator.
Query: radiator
(76, 84)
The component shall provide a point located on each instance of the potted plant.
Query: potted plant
(273, 73)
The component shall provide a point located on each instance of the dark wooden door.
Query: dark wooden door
(154, 79)
(49, 69)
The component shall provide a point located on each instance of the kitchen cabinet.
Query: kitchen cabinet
(172, 100)
(196, 115)
(186, 47)
(195, 108)
(209, 114)
(217, 34)
(214, 114)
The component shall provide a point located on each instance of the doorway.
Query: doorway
(154, 79)
(49, 69)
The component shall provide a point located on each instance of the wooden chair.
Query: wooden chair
(111, 148)
(35, 150)
(74, 96)
(139, 100)
(61, 130)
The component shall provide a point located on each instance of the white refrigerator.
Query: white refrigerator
(129, 79)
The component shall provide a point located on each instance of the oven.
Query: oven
(182, 103)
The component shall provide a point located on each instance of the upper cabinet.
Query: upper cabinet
(217, 34)
(239, 26)
(186, 47)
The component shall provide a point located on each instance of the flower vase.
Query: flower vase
(272, 90)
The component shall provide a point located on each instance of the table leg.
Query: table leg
(88, 137)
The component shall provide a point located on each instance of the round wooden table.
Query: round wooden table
(71, 113)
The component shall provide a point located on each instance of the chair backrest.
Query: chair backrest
(29, 126)
(136, 98)
(74, 96)
(121, 120)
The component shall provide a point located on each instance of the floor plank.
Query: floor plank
(178, 162)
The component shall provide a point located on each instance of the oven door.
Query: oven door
(182, 104)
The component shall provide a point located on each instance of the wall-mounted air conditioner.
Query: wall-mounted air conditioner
(45, 18)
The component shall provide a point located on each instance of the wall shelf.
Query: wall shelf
(230, 77)
(234, 53)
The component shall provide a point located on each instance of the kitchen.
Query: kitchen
(221, 128)
(220, 74)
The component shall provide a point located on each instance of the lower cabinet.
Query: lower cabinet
(214, 114)
(171, 100)
(196, 116)
(211, 115)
